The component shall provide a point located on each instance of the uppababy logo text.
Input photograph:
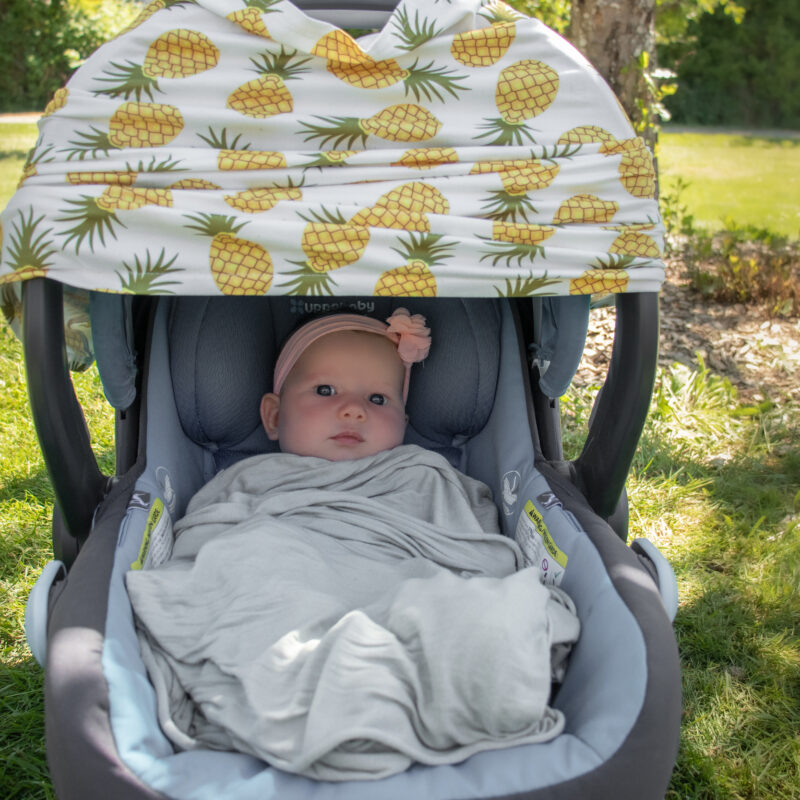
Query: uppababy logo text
(310, 307)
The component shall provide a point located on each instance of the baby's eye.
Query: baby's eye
(378, 399)
(325, 390)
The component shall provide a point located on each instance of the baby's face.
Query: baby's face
(343, 399)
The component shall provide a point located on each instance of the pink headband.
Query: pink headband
(407, 331)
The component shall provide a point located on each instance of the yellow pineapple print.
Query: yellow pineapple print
(97, 216)
(254, 201)
(178, 53)
(486, 46)
(58, 100)
(636, 170)
(524, 90)
(635, 244)
(194, 183)
(329, 243)
(427, 157)
(513, 241)
(405, 207)
(132, 125)
(415, 277)
(403, 122)
(251, 18)
(238, 266)
(587, 134)
(519, 176)
(127, 198)
(585, 208)
(637, 173)
(267, 95)
(349, 63)
(250, 159)
(600, 281)
(118, 178)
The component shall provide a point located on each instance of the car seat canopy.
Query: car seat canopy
(215, 149)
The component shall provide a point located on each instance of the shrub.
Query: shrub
(741, 264)
(733, 73)
(43, 41)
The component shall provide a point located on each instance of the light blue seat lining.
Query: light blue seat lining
(601, 696)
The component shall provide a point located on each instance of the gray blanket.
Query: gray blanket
(342, 620)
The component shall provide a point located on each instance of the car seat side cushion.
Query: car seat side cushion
(84, 763)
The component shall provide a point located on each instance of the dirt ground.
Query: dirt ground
(760, 355)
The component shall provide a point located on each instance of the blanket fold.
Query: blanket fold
(342, 620)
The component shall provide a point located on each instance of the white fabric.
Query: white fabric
(342, 620)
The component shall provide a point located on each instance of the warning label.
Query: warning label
(538, 546)
(157, 540)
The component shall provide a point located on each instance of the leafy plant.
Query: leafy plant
(740, 264)
(43, 41)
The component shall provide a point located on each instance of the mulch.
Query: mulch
(758, 353)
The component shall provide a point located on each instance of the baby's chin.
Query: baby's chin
(350, 451)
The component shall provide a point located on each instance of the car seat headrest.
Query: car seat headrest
(223, 350)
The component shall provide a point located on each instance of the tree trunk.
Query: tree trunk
(613, 34)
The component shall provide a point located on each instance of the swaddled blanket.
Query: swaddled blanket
(342, 620)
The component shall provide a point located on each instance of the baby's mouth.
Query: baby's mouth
(348, 437)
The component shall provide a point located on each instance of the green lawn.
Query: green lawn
(16, 139)
(715, 485)
(744, 180)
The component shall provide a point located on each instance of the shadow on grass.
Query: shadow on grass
(21, 154)
(736, 628)
(36, 486)
(741, 700)
(23, 764)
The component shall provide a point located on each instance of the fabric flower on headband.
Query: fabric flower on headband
(412, 335)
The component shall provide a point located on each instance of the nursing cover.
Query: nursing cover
(244, 147)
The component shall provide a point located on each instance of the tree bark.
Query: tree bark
(613, 34)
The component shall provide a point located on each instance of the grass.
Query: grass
(16, 139)
(751, 181)
(715, 485)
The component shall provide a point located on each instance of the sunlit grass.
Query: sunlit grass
(732, 178)
(25, 547)
(716, 485)
(16, 139)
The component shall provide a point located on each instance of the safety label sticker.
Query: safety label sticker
(158, 538)
(538, 546)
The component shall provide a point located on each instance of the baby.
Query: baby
(346, 616)
(341, 384)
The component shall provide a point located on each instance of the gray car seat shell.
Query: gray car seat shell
(621, 695)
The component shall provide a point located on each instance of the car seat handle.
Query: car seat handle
(78, 484)
(621, 407)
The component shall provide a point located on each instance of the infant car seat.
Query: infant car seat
(185, 372)
(206, 363)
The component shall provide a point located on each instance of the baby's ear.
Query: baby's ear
(270, 409)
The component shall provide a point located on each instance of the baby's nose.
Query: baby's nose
(353, 408)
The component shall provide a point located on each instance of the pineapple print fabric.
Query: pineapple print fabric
(244, 147)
